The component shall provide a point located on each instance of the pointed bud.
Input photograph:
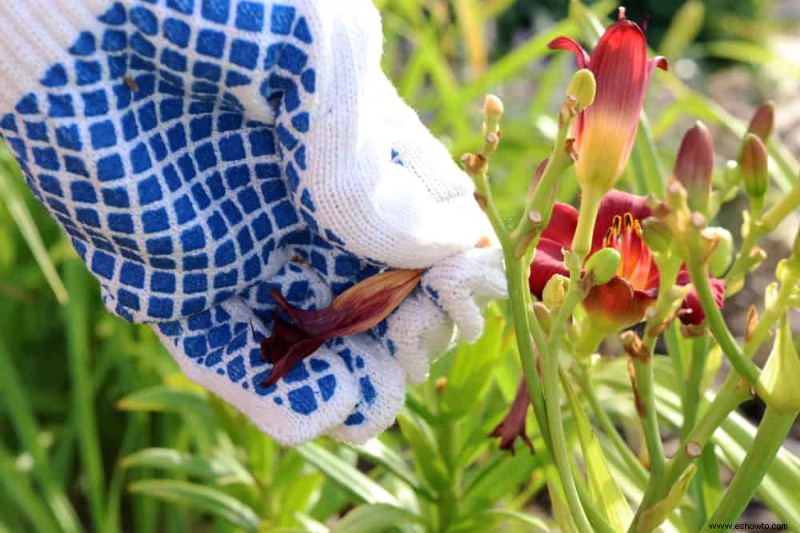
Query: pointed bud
(723, 251)
(753, 167)
(581, 89)
(781, 374)
(656, 234)
(694, 166)
(763, 121)
(603, 265)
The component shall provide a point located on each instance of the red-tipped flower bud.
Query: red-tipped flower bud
(694, 166)
(763, 121)
(753, 166)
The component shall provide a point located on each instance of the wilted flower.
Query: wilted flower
(357, 309)
(605, 131)
(513, 424)
(622, 301)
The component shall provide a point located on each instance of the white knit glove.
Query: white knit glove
(202, 153)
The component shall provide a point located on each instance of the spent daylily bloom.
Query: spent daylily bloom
(512, 427)
(357, 309)
(622, 301)
(605, 131)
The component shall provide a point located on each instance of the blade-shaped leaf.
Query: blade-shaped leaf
(201, 498)
(603, 487)
(369, 518)
(346, 476)
(208, 469)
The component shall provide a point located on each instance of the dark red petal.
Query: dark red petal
(692, 310)
(548, 261)
(616, 305)
(565, 43)
(513, 425)
(355, 310)
(561, 227)
(617, 203)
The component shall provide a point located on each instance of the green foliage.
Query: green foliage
(99, 430)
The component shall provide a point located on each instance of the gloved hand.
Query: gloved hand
(202, 153)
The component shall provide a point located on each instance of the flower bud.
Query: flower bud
(656, 234)
(603, 265)
(753, 167)
(493, 107)
(763, 121)
(781, 374)
(581, 89)
(694, 166)
(723, 251)
(555, 291)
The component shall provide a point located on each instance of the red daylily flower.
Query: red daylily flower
(605, 131)
(357, 309)
(623, 301)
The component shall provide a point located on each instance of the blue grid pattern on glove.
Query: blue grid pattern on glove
(176, 200)
(147, 158)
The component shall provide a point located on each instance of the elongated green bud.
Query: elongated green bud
(753, 167)
(695, 165)
(781, 374)
(582, 89)
(763, 121)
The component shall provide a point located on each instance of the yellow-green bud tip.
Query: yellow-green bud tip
(555, 291)
(603, 265)
(782, 372)
(723, 252)
(582, 88)
(753, 166)
(492, 107)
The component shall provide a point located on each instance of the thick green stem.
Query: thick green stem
(635, 468)
(730, 395)
(771, 433)
(768, 222)
(744, 366)
(691, 399)
(590, 205)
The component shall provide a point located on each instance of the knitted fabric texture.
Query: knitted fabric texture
(201, 153)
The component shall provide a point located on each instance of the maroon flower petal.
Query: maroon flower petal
(615, 203)
(692, 312)
(513, 425)
(617, 305)
(548, 261)
(357, 309)
(561, 227)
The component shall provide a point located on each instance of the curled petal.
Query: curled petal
(617, 305)
(565, 43)
(357, 309)
(548, 261)
(561, 227)
(513, 425)
(692, 312)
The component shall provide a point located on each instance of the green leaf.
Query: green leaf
(164, 399)
(346, 476)
(373, 517)
(220, 471)
(471, 371)
(654, 516)
(377, 452)
(502, 519)
(603, 487)
(11, 196)
(420, 438)
(201, 498)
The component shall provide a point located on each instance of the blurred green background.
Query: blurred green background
(100, 432)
